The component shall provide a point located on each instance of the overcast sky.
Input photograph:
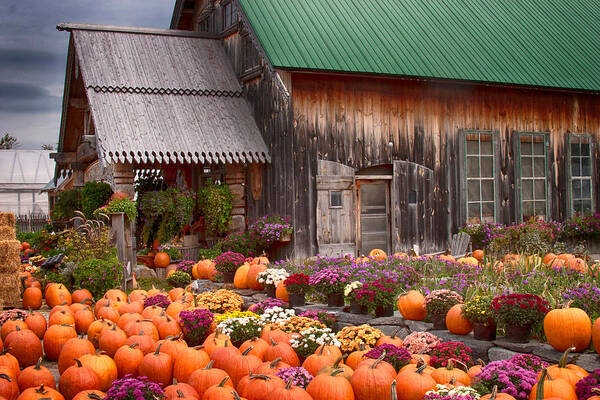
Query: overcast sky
(33, 57)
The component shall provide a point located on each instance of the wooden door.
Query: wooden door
(336, 217)
(412, 208)
(374, 215)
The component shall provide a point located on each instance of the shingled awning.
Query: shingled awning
(164, 97)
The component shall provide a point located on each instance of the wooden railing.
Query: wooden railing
(31, 223)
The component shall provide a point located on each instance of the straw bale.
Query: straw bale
(7, 219)
(11, 266)
(7, 233)
(10, 290)
(9, 250)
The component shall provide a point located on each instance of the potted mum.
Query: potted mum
(350, 292)
(331, 281)
(296, 286)
(438, 302)
(195, 325)
(517, 313)
(378, 296)
(227, 263)
(478, 310)
(270, 278)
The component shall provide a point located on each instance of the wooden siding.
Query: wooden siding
(351, 120)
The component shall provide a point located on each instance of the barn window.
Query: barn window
(533, 179)
(205, 24)
(480, 174)
(335, 199)
(580, 160)
(228, 15)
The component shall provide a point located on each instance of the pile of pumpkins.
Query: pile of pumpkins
(118, 336)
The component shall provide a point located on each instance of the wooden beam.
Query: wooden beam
(64, 157)
(87, 149)
(78, 103)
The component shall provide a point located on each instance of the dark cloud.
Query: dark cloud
(26, 98)
(30, 59)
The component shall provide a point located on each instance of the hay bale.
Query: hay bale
(10, 290)
(9, 250)
(7, 219)
(11, 266)
(7, 233)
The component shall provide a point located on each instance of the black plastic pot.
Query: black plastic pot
(356, 308)
(297, 299)
(335, 299)
(484, 331)
(518, 334)
(228, 276)
(384, 311)
(270, 292)
(439, 322)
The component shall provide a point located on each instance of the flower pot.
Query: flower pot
(439, 322)
(297, 299)
(517, 334)
(286, 238)
(270, 292)
(357, 308)
(228, 276)
(335, 299)
(384, 311)
(484, 331)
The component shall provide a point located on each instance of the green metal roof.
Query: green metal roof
(551, 43)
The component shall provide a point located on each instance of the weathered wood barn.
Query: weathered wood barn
(381, 124)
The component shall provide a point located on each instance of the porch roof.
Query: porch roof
(164, 96)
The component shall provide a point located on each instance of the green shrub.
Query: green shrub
(66, 204)
(55, 275)
(98, 276)
(93, 196)
(179, 279)
(119, 205)
(209, 253)
(165, 214)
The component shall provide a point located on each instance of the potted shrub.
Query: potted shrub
(517, 313)
(478, 310)
(438, 303)
(331, 281)
(350, 291)
(273, 228)
(296, 285)
(270, 278)
(227, 263)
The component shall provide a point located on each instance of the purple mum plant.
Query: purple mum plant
(138, 388)
(512, 377)
(397, 356)
(299, 376)
(195, 325)
(266, 304)
(161, 300)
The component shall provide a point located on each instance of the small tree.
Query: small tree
(8, 142)
(47, 147)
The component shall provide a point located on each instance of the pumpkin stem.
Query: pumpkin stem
(180, 394)
(41, 389)
(337, 372)
(275, 362)
(393, 336)
(133, 345)
(265, 377)
(4, 376)
(481, 362)
(38, 364)
(84, 301)
(235, 395)
(494, 392)
(421, 369)
(248, 350)
(273, 343)
(94, 396)
(76, 362)
(223, 381)
(393, 390)
(210, 364)
(289, 383)
(539, 395)
(321, 350)
(114, 327)
(595, 390)
(362, 347)
(337, 362)
(562, 363)
(158, 349)
(199, 347)
(453, 361)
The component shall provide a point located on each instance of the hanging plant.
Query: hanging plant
(165, 214)
(216, 205)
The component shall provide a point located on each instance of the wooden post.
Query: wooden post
(124, 179)
(122, 229)
(235, 178)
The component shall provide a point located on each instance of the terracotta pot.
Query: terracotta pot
(228, 276)
(335, 299)
(270, 292)
(518, 334)
(297, 299)
(484, 331)
(356, 308)
(439, 322)
(384, 311)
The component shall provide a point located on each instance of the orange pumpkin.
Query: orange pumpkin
(378, 254)
(413, 384)
(569, 372)
(251, 278)
(36, 375)
(32, 298)
(568, 327)
(281, 292)
(478, 255)
(83, 320)
(371, 383)
(128, 360)
(241, 276)
(456, 322)
(552, 388)
(448, 374)
(162, 260)
(412, 306)
(330, 386)
(103, 366)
